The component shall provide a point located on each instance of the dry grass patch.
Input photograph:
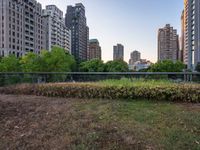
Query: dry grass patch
(30, 122)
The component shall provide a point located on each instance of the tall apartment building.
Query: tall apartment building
(57, 34)
(21, 27)
(94, 51)
(191, 33)
(135, 56)
(118, 52)
(75, 20)
(182, 38)
(168, 44)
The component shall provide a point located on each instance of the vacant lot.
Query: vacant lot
(29, 122)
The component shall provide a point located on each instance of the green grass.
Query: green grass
(136, 82)
(159, 125)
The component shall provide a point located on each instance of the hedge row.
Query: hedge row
(174, 93)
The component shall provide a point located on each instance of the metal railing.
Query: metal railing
(7, 78)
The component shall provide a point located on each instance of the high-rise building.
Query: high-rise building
(191, 33)
(182, 38)
(75, 20)
(57, 34)
(168, 44)
(94, 51)
(135, 56)
(21, 27)
(118, 52)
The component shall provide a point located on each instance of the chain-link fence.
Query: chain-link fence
(51, 77)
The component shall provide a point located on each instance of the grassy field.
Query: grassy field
(137, 82)
(30, 122)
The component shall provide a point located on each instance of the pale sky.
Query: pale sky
(133, 23)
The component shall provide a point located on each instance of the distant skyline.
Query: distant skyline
(132, 23)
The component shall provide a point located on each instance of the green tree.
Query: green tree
(167, 66)
(95, 65)
(58, 60)
(30, 63)
(198, 67)
(116, 66)
(10, 64)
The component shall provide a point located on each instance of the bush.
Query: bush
(173, 93)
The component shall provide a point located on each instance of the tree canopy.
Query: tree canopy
(10, 64)
(94, 65)
(97, 65)
(30, 63)
(167, 66)
(116, 66)
(58, 60)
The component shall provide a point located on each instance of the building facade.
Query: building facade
(191, 33)
(57, 34)
(75, 20)
(140, 65)
(118, 52)
(168, 44)
(135, 56)
(21, 27)
(182, 38)
(94, 51)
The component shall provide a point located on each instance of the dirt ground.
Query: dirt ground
(30, 122)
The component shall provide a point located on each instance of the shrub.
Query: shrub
(173, 93)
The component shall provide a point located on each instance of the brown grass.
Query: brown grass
(30, 122)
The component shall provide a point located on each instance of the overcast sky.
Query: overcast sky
(133, 23)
